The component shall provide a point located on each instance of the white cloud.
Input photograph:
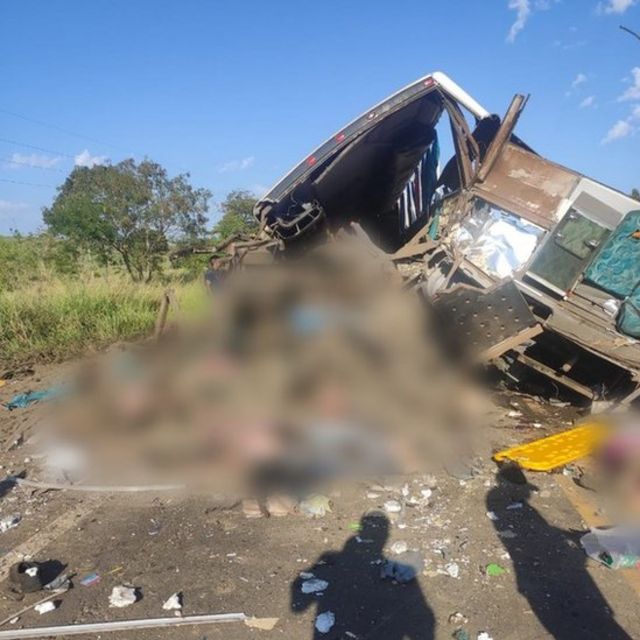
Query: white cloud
(40, 161)
(523, 11)
(635, 114)
(237, 165)
(614, 6)
(620, 129)
(581, 78)
(589, 101)
(633, 92)
(85, 159)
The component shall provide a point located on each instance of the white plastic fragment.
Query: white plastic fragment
(174, 603)
(10, 522)
(325, 621)
(515, 505)
(313, 585)
(453, 569)
(32, 572)
(492, 516)
(122, 596)
(426, 493)
(45, 607)
(392, 506)
(483, 635)
(398, 547)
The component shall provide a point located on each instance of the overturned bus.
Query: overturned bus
(530, 265)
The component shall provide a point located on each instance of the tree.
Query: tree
(635, 194)
(128, 211)
(237, 215)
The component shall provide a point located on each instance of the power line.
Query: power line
(63, 130)
(30, 184)
(633, 33)
(32, 146)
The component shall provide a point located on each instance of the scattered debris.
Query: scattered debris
(174, 602)
(515, 505)
(90, 579)
(14, 617)
(399, 547)
(406, 567)
(392, 506)
(24, 577)
(483, 635)
(617, 547)
(316, 506)
(492, 516)
(10, 522)
(453, 569)
(265, 624)
(23, 400)
(123, 596)
(325, 621)
(61, 582)
(458, 619)
(494, 570)
(460, 634)
(45, 607)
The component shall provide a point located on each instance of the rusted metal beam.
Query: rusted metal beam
(462, 140)
(510, 343)
(504, 133)
(554, 375)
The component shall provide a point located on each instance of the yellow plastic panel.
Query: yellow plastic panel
(557, 450)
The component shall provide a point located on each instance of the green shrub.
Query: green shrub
(58, 319)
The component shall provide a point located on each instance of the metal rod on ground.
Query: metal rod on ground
(119, 625)
(54, 594)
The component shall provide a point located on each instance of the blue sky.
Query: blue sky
(237, 92)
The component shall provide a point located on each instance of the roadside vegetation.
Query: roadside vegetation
(97, 271)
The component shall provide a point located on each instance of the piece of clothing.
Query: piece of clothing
(214, 278)
(23, 400)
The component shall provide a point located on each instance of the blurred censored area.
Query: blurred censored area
(301, 371)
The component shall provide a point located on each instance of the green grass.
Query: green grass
(59, 319)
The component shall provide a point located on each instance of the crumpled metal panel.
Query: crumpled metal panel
(481, 318)
(529, 185)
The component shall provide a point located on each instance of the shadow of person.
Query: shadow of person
(364, 605)
(550, 570)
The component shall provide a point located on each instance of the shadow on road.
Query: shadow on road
(363, 604)
(550, 570)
